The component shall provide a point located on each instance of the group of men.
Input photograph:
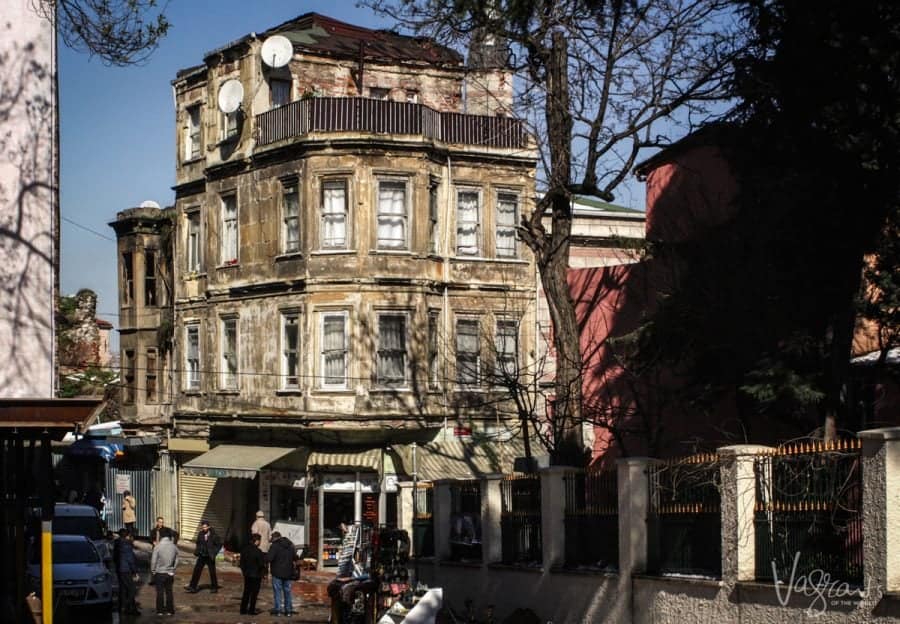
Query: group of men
(267, 552)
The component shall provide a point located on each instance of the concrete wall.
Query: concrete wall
(29, 208)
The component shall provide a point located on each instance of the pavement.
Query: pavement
(311, 602)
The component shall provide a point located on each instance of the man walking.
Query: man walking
(162, 568)
(264, 529)
(207, 547)
(253, 567)
(281, 565)
(126, 564)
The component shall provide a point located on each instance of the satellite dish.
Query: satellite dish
(231, 93)
(149, 204)
(277, 51)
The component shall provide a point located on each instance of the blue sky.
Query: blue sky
(117, 128)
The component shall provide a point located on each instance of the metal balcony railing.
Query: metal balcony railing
(357, 114)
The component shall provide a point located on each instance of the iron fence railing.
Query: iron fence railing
(684, 525)
(520, 519)
(465, 521)
(592, 518)
(358, 114)
(809, 511)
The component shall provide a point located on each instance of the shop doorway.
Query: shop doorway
(338, 508)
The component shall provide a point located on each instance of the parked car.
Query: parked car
(79, 574)
(72, 519)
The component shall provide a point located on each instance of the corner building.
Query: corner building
(346, 272)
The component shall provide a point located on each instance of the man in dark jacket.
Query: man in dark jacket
(126, 565)
(281, 557)
(253, 567)
(207, 547)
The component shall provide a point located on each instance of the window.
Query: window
(192, 132)
(433, 366)
(192, 356)
(506, 340)
(392, 214)
(334, 350)
(128, 366)
(467, 217)
(127, 278)
(433, 217)
(193, 242)
(290, 201)
(229, 238)
(150, 376)
(229, 380)
(229, 125)
(412, 96)
(150, 277)
(281, 92)
(290, 350)
(379, 93)
(468, 352)
(334, 214)
(391, 366)
(507, 213)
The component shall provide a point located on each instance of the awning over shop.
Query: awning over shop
(235, 461)
(369, 459)
(454, 458)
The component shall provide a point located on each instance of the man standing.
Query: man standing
(126, 564)
(157, 530)
(264, 529)
(253, 567)
(162, 568)
(207, 547)
(129, 517)
(281, 565)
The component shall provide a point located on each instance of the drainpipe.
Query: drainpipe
(446, 251)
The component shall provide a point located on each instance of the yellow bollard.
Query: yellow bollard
(47, 571)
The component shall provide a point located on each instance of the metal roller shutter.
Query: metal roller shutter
(207, 498)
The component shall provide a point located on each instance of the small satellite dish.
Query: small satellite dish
(277, 51)
(231, 93)
(149, 204)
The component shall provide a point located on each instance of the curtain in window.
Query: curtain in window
(334, 350)
(194, 242)
(334, 215)
(229, 230)
(281, 93)
(507, 337)
(229, 354)
(291, 346)
(193, 357)
(391, 349)
(392, 215)
(467, 223)
(291, 220)
(467, 351)
(506, 225)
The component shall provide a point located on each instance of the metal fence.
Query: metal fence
(592, 518)
(358, 114)
(684, 527)
(520, 519)
(139, 483)
(465, 521)
(809, 511)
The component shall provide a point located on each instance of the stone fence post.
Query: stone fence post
(634, 507)
(553, 516)
(881, 508)
(491, 535)
(738, 504)
(405, 510)
(441, 518)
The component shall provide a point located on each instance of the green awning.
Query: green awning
(235, 461)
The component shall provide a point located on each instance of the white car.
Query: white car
(79, 574)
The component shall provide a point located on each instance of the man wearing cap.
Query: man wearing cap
(207, 547)
(262, 528)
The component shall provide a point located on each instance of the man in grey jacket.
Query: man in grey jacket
(162, 567)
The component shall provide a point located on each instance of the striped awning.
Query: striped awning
(455, 458)
(369, 459)
(235, 461)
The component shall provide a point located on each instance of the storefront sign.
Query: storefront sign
(123, 483)
(390, 483)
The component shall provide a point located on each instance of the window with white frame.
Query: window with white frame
(281, 92)
(230, 125)
(468, 352)
(192, 132)
(433, 217)
(468, 218)
(291, 217)
(334, 350)
(334, 214)
(229, 354)
(229, 237)
(506, 340)
(290, 350)
(192, 356)
(507, 213)
(392, 214)
(193, 240)
(391, 365)
(433, 353)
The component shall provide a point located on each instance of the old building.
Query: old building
(346, 275)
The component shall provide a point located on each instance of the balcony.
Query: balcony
(357, 114)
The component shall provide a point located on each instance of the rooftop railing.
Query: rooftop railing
(357, 114)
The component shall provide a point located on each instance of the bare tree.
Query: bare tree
(598, 78)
